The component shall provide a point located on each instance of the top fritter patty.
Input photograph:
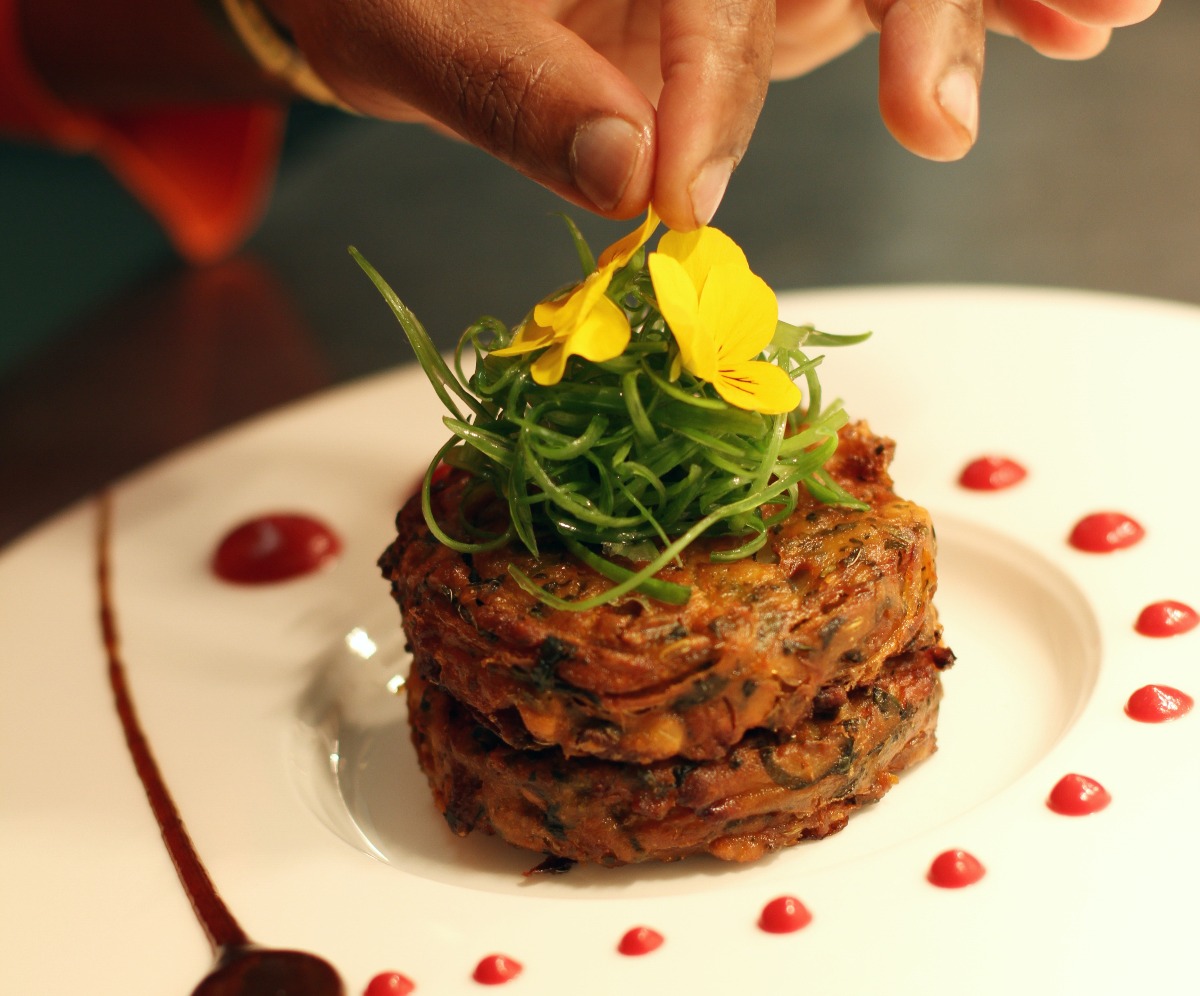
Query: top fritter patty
(833, 595)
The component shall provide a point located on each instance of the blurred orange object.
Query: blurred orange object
(204, 171)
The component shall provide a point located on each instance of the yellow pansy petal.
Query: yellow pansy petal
(757, 386)
(603, 336)
(529, 337)
(548, 368)
(680, 307)
(740, 310)
(700, 251)
(544, 312)
(621, 251)
(567, 310)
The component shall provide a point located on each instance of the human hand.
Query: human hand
(931, 55)
(616, 104)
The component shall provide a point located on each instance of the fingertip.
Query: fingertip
(610, 163)
(693, 208)
(1053, 33)
(668, 210)
(929, 78)
(1105, 13)
(1073, 46)
(694, 164)
(708, 190)
(941, 125)
(688, 208)
(957, 95)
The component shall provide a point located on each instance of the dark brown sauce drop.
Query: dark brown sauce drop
(250, 971)
(242, 968)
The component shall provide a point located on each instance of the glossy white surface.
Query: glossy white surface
(245, 694)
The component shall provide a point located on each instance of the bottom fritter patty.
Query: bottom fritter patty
(770, 790)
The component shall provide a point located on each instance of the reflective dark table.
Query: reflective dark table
(1086, 175)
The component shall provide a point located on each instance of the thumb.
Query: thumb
(501, 76)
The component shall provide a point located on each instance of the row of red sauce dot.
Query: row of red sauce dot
(278, 547)
(1101, 533)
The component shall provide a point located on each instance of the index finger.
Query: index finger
(716, 64)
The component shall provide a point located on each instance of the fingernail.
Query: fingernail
(604, 154)
(958, 95)
(708, 188)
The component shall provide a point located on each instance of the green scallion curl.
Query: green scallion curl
(631, 458)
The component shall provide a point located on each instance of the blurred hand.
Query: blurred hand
(616, 104)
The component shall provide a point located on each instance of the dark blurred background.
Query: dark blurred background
(112, 352)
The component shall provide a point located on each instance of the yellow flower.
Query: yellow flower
(583, 321)
(722, 316)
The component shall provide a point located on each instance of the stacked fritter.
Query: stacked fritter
(791, 688)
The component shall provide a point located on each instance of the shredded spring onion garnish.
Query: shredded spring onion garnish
(652, 403)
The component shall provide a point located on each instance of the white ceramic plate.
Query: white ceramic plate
(289, 760)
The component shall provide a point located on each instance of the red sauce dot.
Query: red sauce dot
(389, 984)
(784, 915)
(440, 473)
(955, 869)
(1166, 619)
(1103, 532)
(640, 941)
(496, 969)
(991, 473)
(1078, 795)
(275, 547)
(1157, 704)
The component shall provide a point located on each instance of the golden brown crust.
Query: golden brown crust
(835, 594)
(770, 791)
